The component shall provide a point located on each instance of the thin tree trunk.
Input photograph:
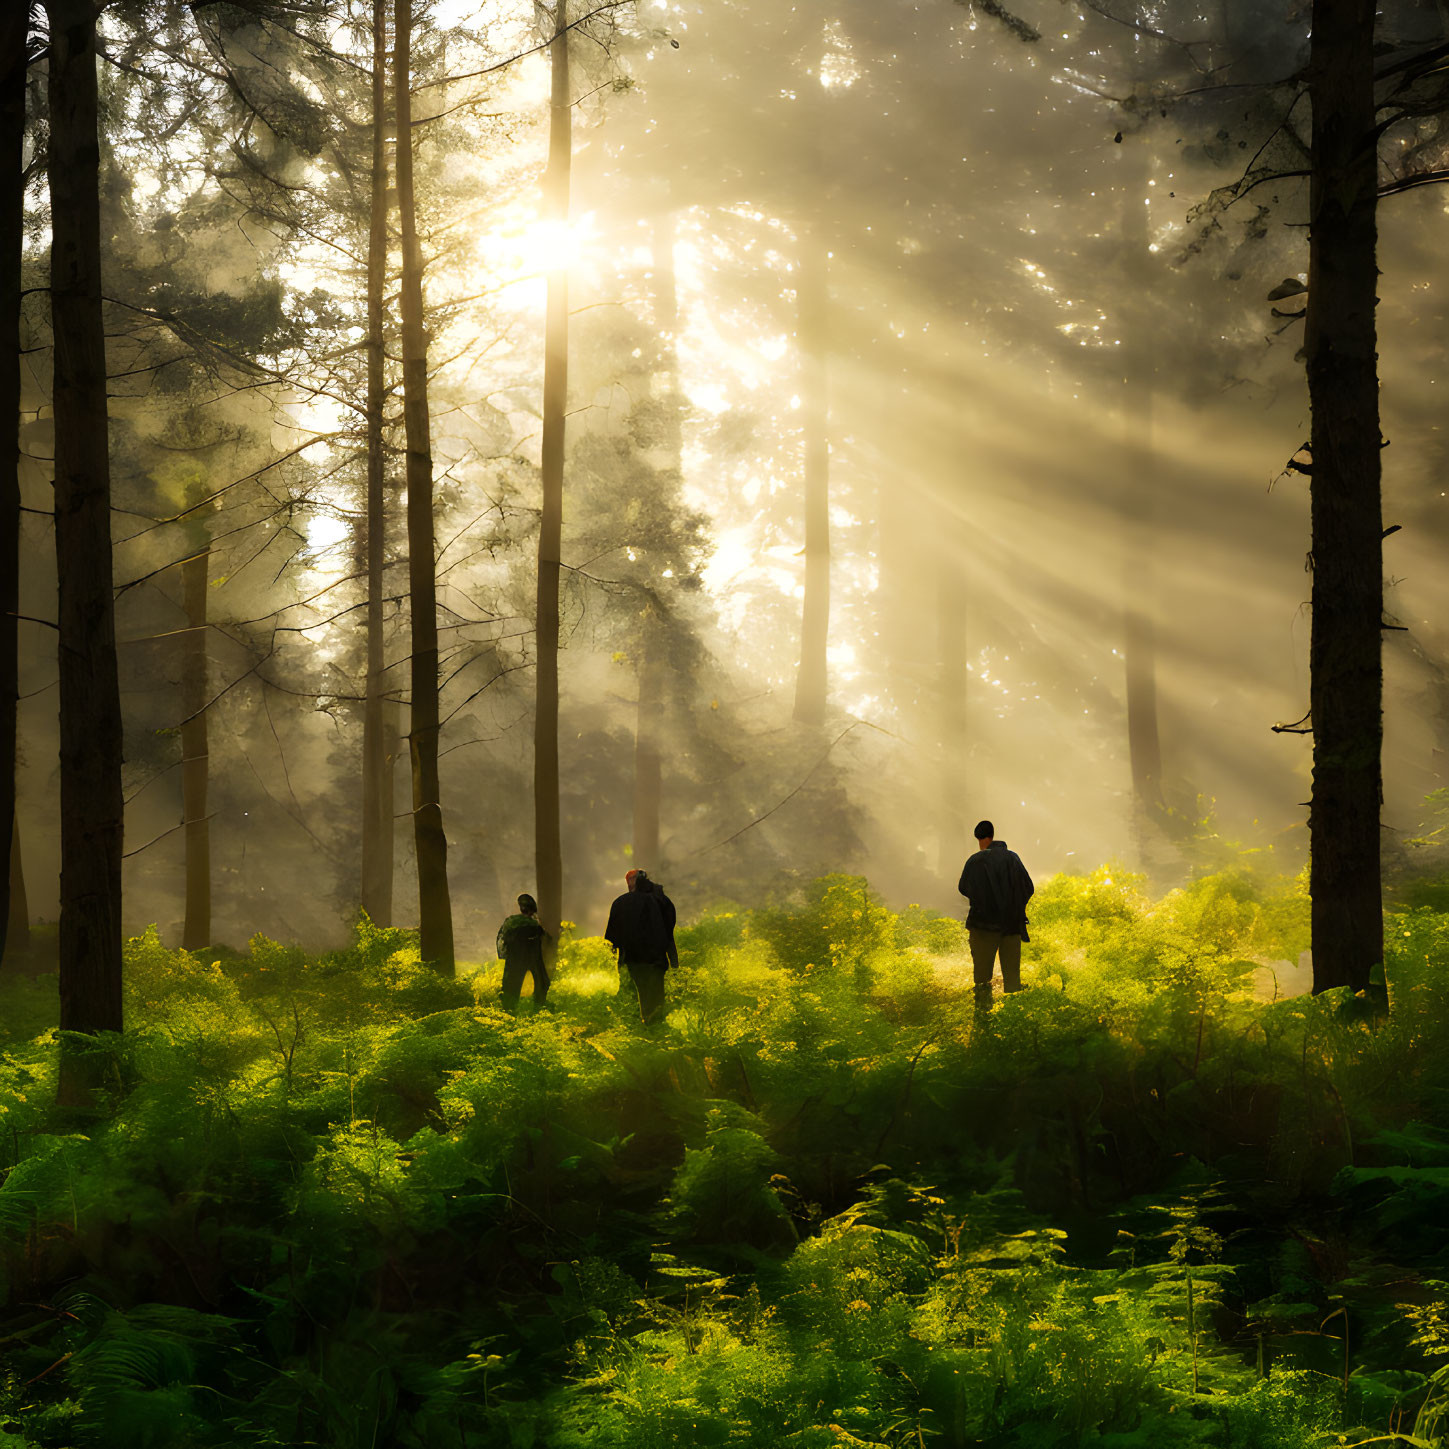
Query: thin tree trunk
(1345, 659)
(195, 755)
(1143, 740)
(548, 851)
(652, 644)
(14, 28)
(648, 773)
(15, 25)
(810, 680)
(435, 910)
(1139, 629)
(17, 932)
(898, 542)
(377, 772)
(951, 648)
(90, 706)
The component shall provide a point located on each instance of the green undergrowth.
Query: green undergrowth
(1148, 1201)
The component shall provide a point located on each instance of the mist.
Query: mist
(1051, 386)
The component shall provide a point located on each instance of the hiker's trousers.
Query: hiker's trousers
(986, 946)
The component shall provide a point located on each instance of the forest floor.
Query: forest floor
(340, 1200)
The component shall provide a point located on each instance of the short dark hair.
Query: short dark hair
(528, 905)
(985, 830)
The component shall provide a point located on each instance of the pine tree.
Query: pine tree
(90, 708)
(378, 732)
(1346, 685)
(195, 748)
(548, 848)
(14, 58)
(435, 911)
(812, 300)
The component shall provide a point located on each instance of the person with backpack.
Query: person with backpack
(522, 947)
(998, 887)
(641, 931)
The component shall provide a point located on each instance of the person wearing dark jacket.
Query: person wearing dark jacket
(522, 944)
(998, 887)
(666, 907)
(641, 931)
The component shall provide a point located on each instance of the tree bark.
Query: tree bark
(377, 765)
(652, 643)
(951, 611)
(812, 302)
(90, 707)
(1139, 627)
(17, 932)
(435, 911)
(548, 851)
(14, 28)
(195, 754)
(648, 772)
(1345, 651)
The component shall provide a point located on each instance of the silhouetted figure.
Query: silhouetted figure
(671, 916)
(522, 943)
(641, 931)
(998, 887)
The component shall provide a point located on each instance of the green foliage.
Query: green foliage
(722, 1193)
(146, 1378)
(842, 923)
(339, 1200)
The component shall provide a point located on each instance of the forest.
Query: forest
(486, 469)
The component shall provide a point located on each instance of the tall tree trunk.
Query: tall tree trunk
(195, 755)
(377, 771)
(652, 642)
(90, 705)
(1139, 629)
(548, 851)
(648, 771)
(14, 28)
(1345, 660)
(951, 649)
(435, 910)
(17, 913)
(810, 679)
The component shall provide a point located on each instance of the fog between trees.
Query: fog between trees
(954, 275)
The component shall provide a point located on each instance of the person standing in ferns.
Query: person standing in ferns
(522, 947)
(666, 907)
(641, 931)
(997, 884)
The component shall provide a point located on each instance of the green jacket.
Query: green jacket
(520, 942)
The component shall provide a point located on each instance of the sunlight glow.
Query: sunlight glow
(710, 396)
(318, 415)
(732, 555)
(554, 246)
(838, 68)
(326, 530)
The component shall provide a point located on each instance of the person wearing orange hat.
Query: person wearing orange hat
(641, 931)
